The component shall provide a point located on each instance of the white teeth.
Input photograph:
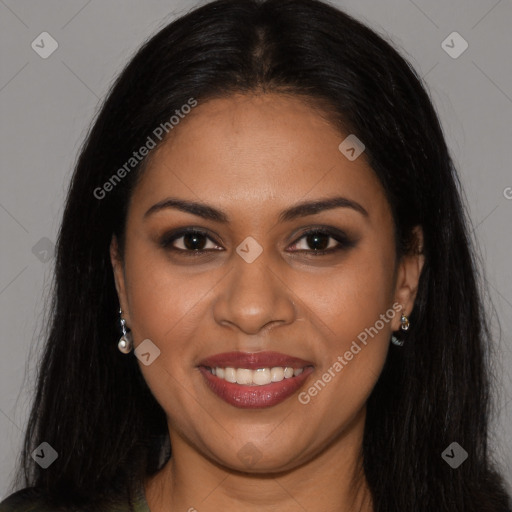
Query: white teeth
(230, 375)
(243, 376)
(277, 374)
(258, 377)
(261, 376)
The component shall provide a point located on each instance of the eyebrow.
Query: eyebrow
(299, 210)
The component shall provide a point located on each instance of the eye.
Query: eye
(189, 242)
(194, 242)
(324, 241)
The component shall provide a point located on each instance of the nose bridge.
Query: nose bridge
(253, 295)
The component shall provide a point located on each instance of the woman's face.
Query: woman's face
(245, 160)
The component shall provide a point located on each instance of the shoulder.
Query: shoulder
(25, 500)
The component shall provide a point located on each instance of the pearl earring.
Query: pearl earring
(125, 344)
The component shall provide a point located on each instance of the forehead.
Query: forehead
(251, 152)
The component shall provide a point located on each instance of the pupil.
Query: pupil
(190, 241)
(316, 239)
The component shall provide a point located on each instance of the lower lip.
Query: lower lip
(254, 397)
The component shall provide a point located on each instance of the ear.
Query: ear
(119, 278)
(408, 276)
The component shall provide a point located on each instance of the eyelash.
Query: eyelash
(343, 241)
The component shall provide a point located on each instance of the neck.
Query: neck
(332, 481)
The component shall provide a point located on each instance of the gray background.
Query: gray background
(46, 106)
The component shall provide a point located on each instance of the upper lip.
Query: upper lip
(253, 360)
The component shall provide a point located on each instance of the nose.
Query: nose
(253, 297)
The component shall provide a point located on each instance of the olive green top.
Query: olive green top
(26, 501)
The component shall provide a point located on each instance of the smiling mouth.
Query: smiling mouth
(257, 377)
(254, 389)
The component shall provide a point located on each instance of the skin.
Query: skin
(253, 156)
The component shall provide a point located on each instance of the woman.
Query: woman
(266, 297)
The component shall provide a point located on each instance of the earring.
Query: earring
(125, 344)
(405, 324)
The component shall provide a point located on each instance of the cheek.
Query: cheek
(165, 308)
(352, 309)
(162, 300)
(352, 296)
